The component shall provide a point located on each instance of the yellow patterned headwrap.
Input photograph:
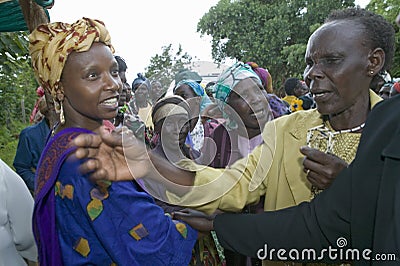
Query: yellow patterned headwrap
(50, 44)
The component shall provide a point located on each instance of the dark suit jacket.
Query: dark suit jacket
(361, 210)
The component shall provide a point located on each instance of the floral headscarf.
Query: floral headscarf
(227, 81)
(198, 90)
(51, 43)
(264, 75)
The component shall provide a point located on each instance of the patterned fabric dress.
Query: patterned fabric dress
(79, 223)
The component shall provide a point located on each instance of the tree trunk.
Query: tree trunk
(23, 110)
(34, 14)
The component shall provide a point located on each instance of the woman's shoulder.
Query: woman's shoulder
(296, 123)
(298, 117)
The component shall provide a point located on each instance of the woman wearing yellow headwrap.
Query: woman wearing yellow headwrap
(77, 222)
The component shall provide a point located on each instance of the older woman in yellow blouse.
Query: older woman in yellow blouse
(342, 59)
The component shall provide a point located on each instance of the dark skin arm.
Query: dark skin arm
(196, 219)
(120, 156)
(321, 168)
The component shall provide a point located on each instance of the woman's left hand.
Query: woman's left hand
(321, 168)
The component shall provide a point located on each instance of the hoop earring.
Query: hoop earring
(62, 118)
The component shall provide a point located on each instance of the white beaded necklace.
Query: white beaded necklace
(350, 130)
(324, 132)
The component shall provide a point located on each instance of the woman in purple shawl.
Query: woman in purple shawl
(77, 222)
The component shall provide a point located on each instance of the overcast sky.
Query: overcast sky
(139, 29)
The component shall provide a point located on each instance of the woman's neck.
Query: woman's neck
(350, 118)
(141, 103)
(172, 154)
(92, 126)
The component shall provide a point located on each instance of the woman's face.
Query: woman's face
(156, 91)
(249, 104)
(337, 67)
(142, 93)
(90, 83)
(173, 130)
(187, 93)
(125, 93)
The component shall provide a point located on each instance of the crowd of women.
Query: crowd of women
(154, 169)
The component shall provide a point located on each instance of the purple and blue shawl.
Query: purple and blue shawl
(77, 222)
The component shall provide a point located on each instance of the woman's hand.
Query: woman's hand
(196, 219)
(115, 156)
(321, 168)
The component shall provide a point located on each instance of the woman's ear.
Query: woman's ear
(376, 61)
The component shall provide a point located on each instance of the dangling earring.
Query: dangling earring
(62, 118)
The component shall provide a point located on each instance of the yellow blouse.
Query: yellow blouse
(273, 169)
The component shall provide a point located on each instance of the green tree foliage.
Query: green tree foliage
(389, 9)
(272, 33)
(17, 90)
(17, 82)
(164, 66)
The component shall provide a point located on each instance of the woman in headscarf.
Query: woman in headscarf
(198, 100)
(239, 95)
(141, 103)
(278, 106)
(171, 117)
(77, 222)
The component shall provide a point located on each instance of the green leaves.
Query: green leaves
(17, 82)
(272, 33)
(164, 66)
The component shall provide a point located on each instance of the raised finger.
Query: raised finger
(87, 141)
(89, 166)
(98, 175)
(81, 153)
(313, 166)
(315, 155)
(317, 180)
(314, 181)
